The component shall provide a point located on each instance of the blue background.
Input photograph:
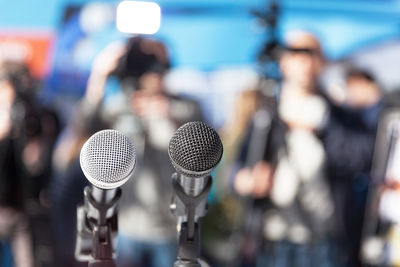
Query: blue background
(208, 34)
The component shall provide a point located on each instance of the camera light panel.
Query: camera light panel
(137, 17)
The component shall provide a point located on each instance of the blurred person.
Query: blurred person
(380, 236)
(235, 130)
(349, 141)
(289, 185)
(142, 108)
(68, 182)
(14, 225)
(221, 226)
(35, 128)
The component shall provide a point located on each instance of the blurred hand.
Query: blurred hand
(298, 125)
(262, 173)
(244, 182)
(105, 62)
(32, 157)
(256, 181)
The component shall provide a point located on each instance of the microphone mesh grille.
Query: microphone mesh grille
(195, 148)
(108, 159)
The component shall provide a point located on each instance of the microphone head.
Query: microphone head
(195, 149)
(107, 159)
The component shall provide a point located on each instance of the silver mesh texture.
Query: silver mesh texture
(195, 149)
(108, 159)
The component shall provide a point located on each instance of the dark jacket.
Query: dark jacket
(11, 191)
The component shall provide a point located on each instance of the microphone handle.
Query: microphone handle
(103, 196)
(192, 186)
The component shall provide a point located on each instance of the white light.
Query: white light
(138, 17)
(95, 17)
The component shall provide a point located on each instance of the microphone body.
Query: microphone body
(107, 159)
(195, 150)
(193, 188)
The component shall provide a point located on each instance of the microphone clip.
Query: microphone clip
(189, 230)
(97, 228)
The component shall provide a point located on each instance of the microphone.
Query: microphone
(195, 150)
(107, 159)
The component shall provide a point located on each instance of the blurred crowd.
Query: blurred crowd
(293, 187)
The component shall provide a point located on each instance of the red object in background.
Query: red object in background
(33, 48)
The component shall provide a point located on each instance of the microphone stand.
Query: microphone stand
(97, 228)
(189, 230)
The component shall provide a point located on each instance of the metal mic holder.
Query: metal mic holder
(97, 228)
(189, 233)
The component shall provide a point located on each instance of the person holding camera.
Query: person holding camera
(141, 107)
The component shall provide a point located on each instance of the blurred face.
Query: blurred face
(151, 83)
(7, 98)
(361, 92)
(301, 66)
